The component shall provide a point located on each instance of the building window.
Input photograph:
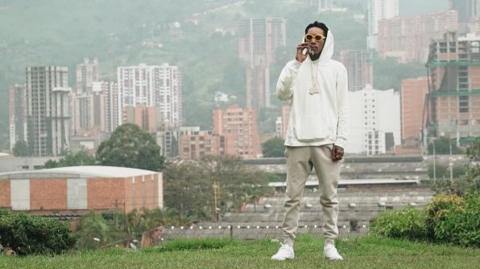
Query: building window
(463, 102)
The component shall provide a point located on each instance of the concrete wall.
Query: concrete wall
(10, 163)
(20, 194)
(77, 193)
(248, 231)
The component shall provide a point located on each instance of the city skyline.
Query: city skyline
(151, 95)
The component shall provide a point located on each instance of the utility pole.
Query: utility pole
(215, 200)
(450, 160)
(434, 163)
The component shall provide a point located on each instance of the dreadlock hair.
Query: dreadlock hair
(320, 25)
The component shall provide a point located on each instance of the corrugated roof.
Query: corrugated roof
(78, 172)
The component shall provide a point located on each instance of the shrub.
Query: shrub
(460, 225)
(26, 234)
(94, 232)
(438, 209)
(408, 223)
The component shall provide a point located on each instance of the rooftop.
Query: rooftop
(78, 172)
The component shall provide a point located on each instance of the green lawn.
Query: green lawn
(363, 252)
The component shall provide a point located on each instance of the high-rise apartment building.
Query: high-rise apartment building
(454, 83)
(112, 110)
(325, 5)
(468, 14)
(408, 38)
(379, 10)
(17, 120)
(374, 122)
(153, 85)
(281, 123)
(98, 110)
(239, 127)
(467, 9)
(86, 73)
(359, 68)
(143, 116)
(48, 109)
(259, 39)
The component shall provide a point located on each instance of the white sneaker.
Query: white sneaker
(285, 252)
(331, 253)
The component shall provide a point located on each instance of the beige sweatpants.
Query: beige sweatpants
(299, 160)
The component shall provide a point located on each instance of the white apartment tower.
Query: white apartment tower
(325, 5)
(153, 85)
(374, 124)
(97, 111)
(86, 73)
(378, 10)
(47, 109)
(258, 41)
(111, 103)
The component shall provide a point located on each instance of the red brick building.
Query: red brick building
(412, 108)
(239, 127)
(143, 116)
(81, 189)
(196, 144)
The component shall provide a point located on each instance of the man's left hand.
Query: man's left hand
(337, 153)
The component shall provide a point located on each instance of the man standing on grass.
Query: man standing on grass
(317, 87)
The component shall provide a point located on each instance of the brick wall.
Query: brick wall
(48, 194)
(143, 192)
(5, 193)
(105, 193)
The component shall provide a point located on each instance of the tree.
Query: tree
(203, 189)
(442, 146)
(389, 73)
(78, 158)
(273, 147)
(473, 152)
(130, 146)
(21, 149)
(187, 190)
(466, 179)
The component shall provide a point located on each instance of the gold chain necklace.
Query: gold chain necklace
(314, 73)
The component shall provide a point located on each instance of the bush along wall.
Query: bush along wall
(461, 225)
(408, 223)
(447, 219)
(27, 234)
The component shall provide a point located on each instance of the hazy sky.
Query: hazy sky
(418, 7)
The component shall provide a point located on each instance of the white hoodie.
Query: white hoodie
(319, 118)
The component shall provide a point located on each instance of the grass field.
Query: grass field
(363, 252)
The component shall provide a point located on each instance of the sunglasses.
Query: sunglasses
(314, 37)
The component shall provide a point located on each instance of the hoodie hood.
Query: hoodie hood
(327, 51)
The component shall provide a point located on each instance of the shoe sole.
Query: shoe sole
(333, 260)
(279, 260)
